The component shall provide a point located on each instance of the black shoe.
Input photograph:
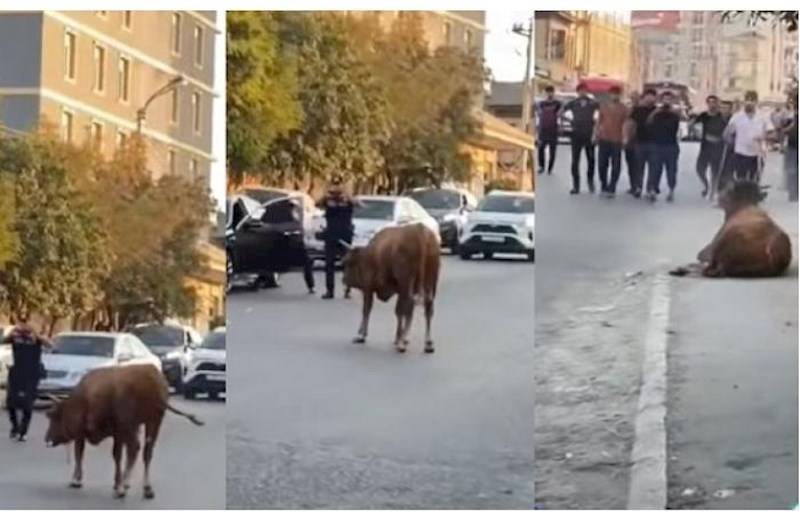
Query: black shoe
(13, 434)
(574, 191)
(591, 188)
(310, 291)
(328, 295)
(541, 169)
(21, 438)
(651, 196)
(550, 171)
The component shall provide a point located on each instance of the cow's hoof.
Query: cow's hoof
(429, 348)
(119, 494)
(359, 339)
(401, 349)
(148, 493)
(75, 484)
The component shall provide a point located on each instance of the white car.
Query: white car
(373, 213)
(73, 354)
(503, 222)
(206, 370)
(6, 357)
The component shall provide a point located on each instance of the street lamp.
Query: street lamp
(141, 113)
(526, 32)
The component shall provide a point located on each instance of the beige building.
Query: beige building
(91, 72)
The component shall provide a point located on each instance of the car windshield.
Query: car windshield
(84, 346)
(437, 199)
(156, 335)
(214, 341)
(374, 209)
(507, 204)
(264, 195)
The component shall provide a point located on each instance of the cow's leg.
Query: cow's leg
(116, 451)
(131, 453)
(428, 317)
(77, 473)
(408, 318)
(366, 310)
(400, 310)
(150, 436)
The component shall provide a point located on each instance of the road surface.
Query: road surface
(315, 421)
(731, 350)
(187, 472)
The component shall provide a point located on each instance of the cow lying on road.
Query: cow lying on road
(401, 260)
(114, 402)
(749, 243)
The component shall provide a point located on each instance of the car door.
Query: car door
(269, 240)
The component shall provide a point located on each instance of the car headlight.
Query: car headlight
(75, 375)
(175, 354)
(529, 222)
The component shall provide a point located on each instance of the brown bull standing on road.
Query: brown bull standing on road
(114, 402)
(749, 243)
(401, 260)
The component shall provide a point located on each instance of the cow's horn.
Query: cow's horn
(345, 244)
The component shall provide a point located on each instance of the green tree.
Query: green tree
(8, 238)
(787, 18)
(261, 90)
(343, 106)
(61, 255)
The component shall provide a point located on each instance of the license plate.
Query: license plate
(493, 238)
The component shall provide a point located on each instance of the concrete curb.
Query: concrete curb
(647, 486)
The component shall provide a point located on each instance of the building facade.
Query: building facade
(89, 72)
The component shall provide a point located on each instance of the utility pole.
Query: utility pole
(527, 91)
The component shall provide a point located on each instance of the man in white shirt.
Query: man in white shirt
(750, 131)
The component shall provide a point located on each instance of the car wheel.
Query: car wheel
(178, 385)
(488, 255)
(213, 395)
(465, 255)
(531, 255)
(270, 280)
(188, 393)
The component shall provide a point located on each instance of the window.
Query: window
(198, 46)
(558, 41)
(176, 33)
(468, 38)
(127, 19)
(697, 34)
(448, 33)
(99, 68)
(67, 121)
(196, 111)
(122, 139)
(97, 134)
(69, 55)
(698, 17)
(171, 161)
(194, 169)
(124, 79)
(174, 106)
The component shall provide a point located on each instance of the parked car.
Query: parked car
(376, 212)
(206, 371)
(73, 354)
(173, 344)
(502, 223)
(450, 207)
(6, 357)
(265, 240)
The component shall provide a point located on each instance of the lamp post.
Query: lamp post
(526, 32)
(141, 113)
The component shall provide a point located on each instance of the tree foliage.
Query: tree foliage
(8, 238)
(261, 90)
(787, 18)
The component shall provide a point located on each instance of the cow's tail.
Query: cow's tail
(190, 417)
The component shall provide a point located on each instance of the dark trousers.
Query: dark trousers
(637, 165)
(630, 164)
(20, 426)
(710, 156)
(333, 249)
(745, 167)
(580, 144)
(663, 157)
(547, 142)
(308, 270)
(609, 153)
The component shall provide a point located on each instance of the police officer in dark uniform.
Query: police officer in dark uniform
(24, 376)
(338, 208)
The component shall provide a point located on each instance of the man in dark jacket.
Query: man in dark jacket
(338, 208)
(583, 111)
(24, 376)
(711, 144)
(662, 128)
(547, 112)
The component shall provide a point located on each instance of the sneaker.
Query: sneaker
(13, 434)
(310, 291)
(574, 191)
(21, 438)
(670, 196)
(328, 295)
(651, 196)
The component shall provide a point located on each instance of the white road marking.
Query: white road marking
(647, 488)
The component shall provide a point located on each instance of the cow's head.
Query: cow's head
(352, 273)
(740, 194)
(61, 427)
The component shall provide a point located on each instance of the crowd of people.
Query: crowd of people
(645, 132)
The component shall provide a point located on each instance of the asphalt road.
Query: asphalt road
(187, 472)
(315, 421)
(732, 350)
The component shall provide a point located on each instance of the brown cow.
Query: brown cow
(749, 243)
(114, 402)
(401, 260)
